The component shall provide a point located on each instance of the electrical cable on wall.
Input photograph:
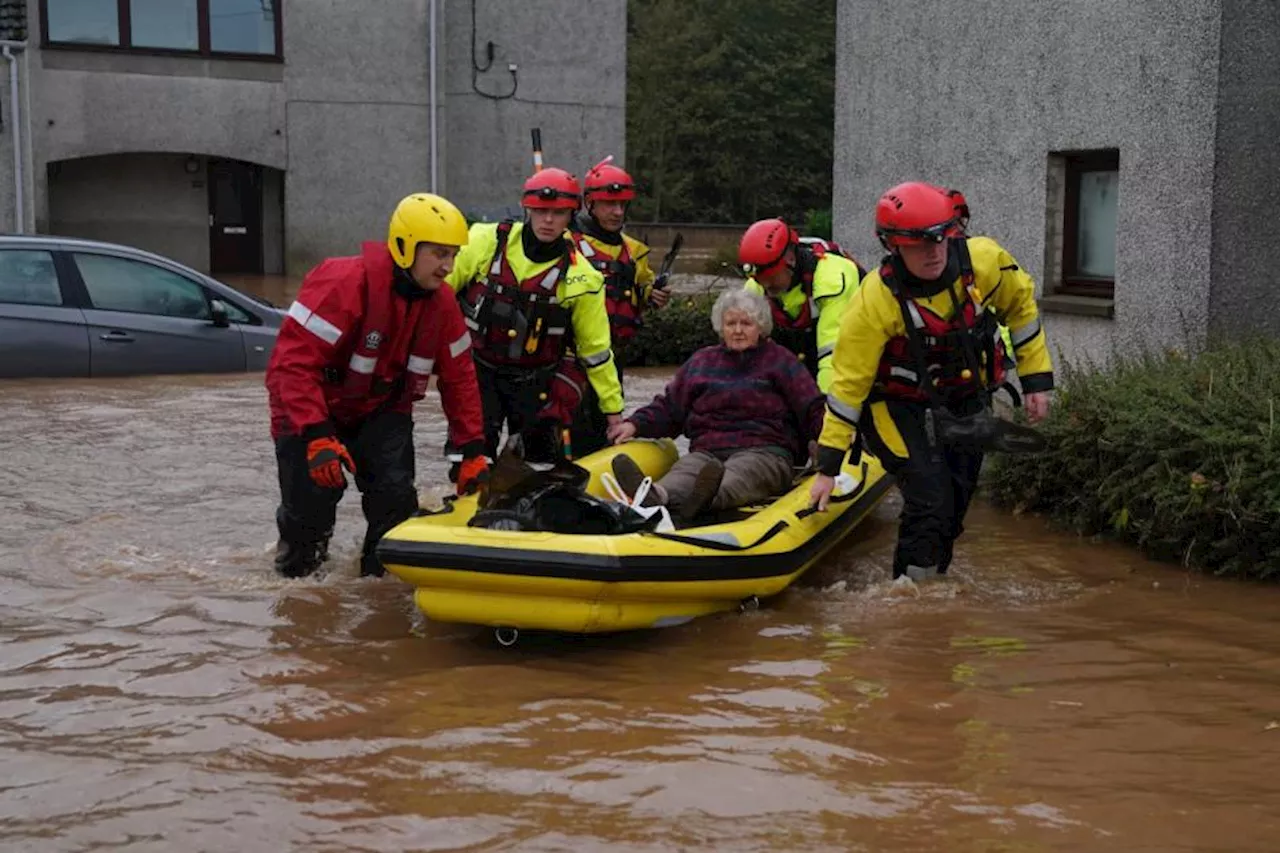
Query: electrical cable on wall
(477, 69)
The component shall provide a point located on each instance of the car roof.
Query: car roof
(53, 241)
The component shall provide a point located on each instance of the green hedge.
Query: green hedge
(1177, 454)
(673, 333)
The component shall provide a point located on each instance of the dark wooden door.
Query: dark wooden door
(235, 217)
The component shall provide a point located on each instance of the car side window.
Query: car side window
(234, 313)
(121, 284)
(28, 278)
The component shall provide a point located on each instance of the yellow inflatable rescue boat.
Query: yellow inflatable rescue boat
(513, 580)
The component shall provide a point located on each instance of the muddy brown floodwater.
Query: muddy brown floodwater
(162, 690)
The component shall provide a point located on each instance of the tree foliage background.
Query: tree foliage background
(730, 108)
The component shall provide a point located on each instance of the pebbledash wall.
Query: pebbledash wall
(302, 154)
(1001, 100)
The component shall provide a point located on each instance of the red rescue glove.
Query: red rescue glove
(472, 474)
(326, 457)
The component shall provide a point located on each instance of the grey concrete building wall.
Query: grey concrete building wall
(272, 222)
(95, 104)
(143, 200)
(8, 174)
(571, 69)
(357, 121)
(346, 117)
(975, 95)
(1247, 169)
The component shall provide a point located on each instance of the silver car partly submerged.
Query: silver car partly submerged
(71, 307)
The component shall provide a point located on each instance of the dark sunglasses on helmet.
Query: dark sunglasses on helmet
(932, 234)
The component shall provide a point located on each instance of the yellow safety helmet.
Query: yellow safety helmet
(424, 218)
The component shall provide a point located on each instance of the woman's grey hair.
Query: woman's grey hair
(750, 303)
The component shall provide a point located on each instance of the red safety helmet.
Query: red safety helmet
(763, 247)
(553, 189)
(961, 205)
(606, 182)
(915, 213)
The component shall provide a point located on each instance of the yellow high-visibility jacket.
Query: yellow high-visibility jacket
(874, 317)
(581, 292)
(834, 281)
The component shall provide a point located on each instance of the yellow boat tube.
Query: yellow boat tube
(521, 580)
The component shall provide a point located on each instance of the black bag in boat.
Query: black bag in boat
(553, 500)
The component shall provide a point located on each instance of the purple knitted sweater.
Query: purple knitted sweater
(725, 400)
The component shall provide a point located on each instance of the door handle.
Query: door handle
(116, 337)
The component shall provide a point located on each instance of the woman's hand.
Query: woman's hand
(820, 491)
(621, 432)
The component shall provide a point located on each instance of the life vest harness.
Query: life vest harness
(513, 322)
(621, 295)
(800, 333)
(939, 360)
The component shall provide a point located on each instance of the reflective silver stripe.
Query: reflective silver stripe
(418, 364)
(459, 346)
(471, 324)
(553, 275)
(814, 310)
(565, 379)
(496, 267)
(585, 246)
(362, 363)
(915, 314)
(826, 351)
(843, 411)
(1025, 333)
(314, 323)
(555, 330)
(597, 358)
(903, 373)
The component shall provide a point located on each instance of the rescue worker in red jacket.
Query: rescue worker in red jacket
(356, 351)
(536, 310)
(808, 282)
(630, 286)
(918, 349)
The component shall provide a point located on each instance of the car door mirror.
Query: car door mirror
(218, 313)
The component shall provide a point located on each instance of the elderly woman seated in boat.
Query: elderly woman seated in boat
(748, 406)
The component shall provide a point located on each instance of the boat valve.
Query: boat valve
(506, 637)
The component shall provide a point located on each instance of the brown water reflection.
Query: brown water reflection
(162, 690)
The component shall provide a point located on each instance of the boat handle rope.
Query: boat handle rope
(711, 544)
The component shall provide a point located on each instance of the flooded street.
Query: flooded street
(161, 689)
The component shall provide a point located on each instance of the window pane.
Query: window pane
(117, 284)
(234, 313)
(164, 23)
(1096, 246)
(84, 21)
(28, 278)
(242, 26)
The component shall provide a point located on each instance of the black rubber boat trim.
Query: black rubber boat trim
(601, 567)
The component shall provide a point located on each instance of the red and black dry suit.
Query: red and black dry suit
(911, 352)
(356, 351)
(540, 331)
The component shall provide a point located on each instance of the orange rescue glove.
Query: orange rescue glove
(472, 474)
(326, 457)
